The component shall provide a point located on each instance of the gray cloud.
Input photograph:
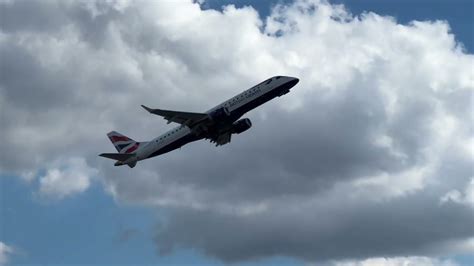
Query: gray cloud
(36, 16)
(351, 164)
(317, 232)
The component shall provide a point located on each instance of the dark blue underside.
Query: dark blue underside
(235, 115)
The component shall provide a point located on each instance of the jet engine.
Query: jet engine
(220, 114)
(241, 125)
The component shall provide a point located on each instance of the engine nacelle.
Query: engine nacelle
(220, 114)
(241, 125)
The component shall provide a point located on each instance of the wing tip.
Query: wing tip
(147, 108)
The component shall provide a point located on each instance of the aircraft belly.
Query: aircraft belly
(244, 108)
(174, 145)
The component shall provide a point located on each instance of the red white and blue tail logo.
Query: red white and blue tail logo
(122, 143)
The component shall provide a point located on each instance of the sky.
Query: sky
(367, 161)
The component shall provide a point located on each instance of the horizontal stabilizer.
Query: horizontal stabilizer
(118, 156)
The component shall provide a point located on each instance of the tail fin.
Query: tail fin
(122, 143)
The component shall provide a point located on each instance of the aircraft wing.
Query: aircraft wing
(184, 118)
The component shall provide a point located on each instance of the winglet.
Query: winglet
(147, 108)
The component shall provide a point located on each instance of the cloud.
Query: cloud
(66, 178)
(463, 198)
(398, 261)
(351, 164)
(5, 252)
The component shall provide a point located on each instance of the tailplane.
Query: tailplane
(122, 158)
(125, 146)
(118, 156)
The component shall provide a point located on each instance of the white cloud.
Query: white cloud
(374, 132)
(5, 252)
(466, 197)
(66, 178)
(398, 261)
(385, 186)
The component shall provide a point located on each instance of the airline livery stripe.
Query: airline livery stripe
(118, 138)
(122, 146)
(123, 142)
(132, 149)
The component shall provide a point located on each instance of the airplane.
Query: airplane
(217, 124)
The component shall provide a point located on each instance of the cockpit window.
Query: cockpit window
(278, 77)
(268, 81)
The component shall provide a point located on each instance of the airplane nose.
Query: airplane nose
(293, 82)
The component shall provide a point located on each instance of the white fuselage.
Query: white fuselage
(238, 105)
